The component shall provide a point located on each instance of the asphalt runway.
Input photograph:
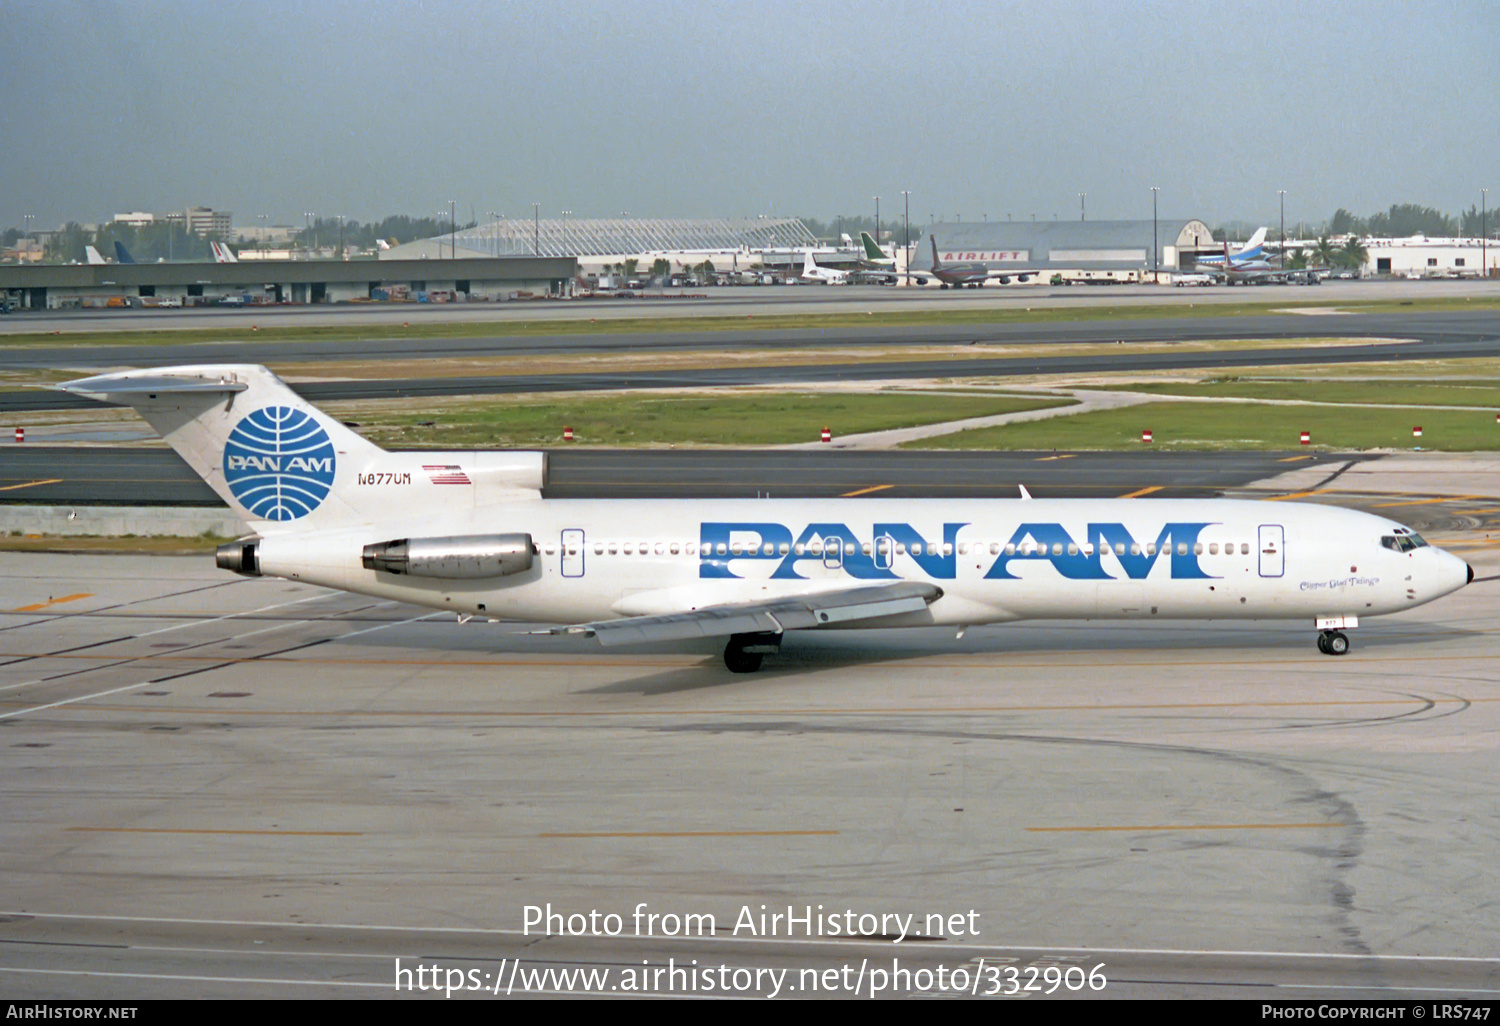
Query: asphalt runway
(1427, 336)
(65, 475)
(219, 787)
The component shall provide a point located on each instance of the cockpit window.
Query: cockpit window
(1403, 542)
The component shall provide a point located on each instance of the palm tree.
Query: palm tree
(1354, 255)
(1325, 252)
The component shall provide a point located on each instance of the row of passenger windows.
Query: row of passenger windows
(818, 548)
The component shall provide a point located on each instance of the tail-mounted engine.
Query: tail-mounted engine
(462, 558)
(243, 557)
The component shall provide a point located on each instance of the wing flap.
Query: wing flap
(772, 616)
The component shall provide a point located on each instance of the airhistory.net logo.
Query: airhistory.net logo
(278, 463)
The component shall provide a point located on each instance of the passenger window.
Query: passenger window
(675, 548)
(598, 549)
(1120, 549)
(1213, 548)
(1072, 550)
(722, 548)
(785, 548)
(736, 548)
(1244, 548)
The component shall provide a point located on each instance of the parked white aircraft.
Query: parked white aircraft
(829, 276)
(223, 254)
(470, 532)
(91, 255)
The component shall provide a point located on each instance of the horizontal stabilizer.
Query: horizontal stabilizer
(134, 383)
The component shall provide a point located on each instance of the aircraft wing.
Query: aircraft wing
(847, 606)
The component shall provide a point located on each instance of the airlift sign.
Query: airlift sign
(836, 546)
(278, 463)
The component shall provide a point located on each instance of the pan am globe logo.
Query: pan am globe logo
(278, 462)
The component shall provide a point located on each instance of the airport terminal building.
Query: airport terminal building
(63, 286)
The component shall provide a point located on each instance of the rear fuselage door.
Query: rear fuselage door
(572, 552)
(1272, 556)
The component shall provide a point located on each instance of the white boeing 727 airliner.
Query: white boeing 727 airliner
(470, 532)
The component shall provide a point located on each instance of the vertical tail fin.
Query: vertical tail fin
(936, 263)
(284, 465)
(873, 252)
(269, 454)
(92, 255)
(122, 255)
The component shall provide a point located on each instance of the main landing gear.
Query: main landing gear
(1334, 643)
(745, 651)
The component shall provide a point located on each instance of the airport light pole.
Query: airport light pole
(565, 231)
(307, 216)
(1083, 207)
(1281, 193)
(877, 220)
(1155, 246)
(906, 228)
(452, 230)
(536, 229)
(1484, 242)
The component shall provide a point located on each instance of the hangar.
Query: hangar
(61, 286)
(1106, 251)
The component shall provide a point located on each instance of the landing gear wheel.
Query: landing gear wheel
(740, 661)
(745, 651)
(1334, 643)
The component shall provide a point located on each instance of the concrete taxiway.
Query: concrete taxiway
(253, 788)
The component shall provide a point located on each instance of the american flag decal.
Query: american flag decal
(448, 475)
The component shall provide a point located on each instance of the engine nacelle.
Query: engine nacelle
(468, 557)
(243, 557)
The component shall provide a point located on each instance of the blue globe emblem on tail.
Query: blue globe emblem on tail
(278, 463)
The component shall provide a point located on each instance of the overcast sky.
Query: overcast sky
(699, 108)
